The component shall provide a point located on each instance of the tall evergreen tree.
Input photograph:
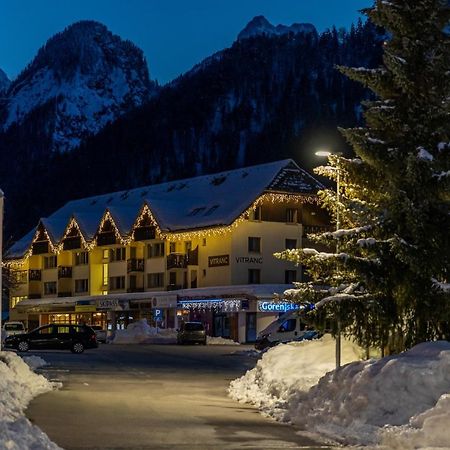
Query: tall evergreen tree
(388, 280)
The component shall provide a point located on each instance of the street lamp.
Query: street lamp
(326, 153)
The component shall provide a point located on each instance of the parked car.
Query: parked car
(12, 328)
(75, 338)
(291, 326)
(100, 333)
(191, 333)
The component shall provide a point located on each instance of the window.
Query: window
(14, 300)
(155, 280)
(187, 246)
(256, 213)
(290, 276)
(254, 244)
(290, 244)
(46, 330)
(81, 258)
(287, 326)
(50, 262)
(172, 278)
(211, 210)
(50, 288)
(172, 247)
(81, 285)
(195, 211)
(133, 252)
(105, 274)
(155, 250)
(291, 215)
(204, 242)
(116, 283)
(254, 276)
(117, 254)
(63, 330)
(105, 253)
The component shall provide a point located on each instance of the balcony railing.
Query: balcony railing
(144, 233)
(34, 296)
(135, 289)
(64, 294)
(64, 272)
(135, 265)
(176, 261)
(107, 238)
(72, 243)
(40, 247)
(34, 275)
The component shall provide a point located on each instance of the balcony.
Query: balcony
(64, 294)
(135, 289)
(176, 261)
(40, 247)
(144, 233)
(34, 296)
(34, 275)
(174, 287)
(135, 265)
(192, 257)
(72, 243)
(64, 272)
(107, 238)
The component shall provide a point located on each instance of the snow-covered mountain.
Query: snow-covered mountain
(81, 79)
(4, 81)
(259, 25)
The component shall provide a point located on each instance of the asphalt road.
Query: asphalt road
(154, 397)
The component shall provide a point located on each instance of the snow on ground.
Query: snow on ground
(140, 332)
(217, 340)
(18, 386)
(399, 402)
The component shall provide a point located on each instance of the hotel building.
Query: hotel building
(194, 249)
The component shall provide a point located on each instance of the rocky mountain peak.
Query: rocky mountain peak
(259, 25)
(89, 76)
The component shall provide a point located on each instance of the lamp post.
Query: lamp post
(325, 153)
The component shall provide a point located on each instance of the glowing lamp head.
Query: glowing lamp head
(324, 153)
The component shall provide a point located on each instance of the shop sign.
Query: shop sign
(112, 304)
(249, 259)
(268, 306)
(229, 304)
(85, 308)
(219, 261)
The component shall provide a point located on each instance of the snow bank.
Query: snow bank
(140, 332)
(18, 385)
(287, 368)
(400, 402)
(214, 340)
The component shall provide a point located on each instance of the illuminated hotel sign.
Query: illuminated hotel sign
(219, 261)
(267, 306)
(211, 303)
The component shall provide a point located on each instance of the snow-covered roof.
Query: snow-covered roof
(193, 203)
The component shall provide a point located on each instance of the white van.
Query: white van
(288, 327)
(12, 328)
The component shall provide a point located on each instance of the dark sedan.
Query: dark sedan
(75, 338)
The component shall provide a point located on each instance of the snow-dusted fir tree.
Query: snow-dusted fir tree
(386, 282)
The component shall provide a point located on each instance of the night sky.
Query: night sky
(174, 35)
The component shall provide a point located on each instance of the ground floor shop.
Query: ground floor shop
(238, 313)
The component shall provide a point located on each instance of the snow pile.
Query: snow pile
(287, 368)
(34, 362)
(400, 401)
(217, 340)
(141, 332)
(18, 386)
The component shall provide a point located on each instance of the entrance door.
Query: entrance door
(222, 325)
(250, 327)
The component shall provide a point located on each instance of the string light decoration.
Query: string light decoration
(271, 196)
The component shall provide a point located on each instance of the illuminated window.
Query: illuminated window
(105, 253)
(105, 274)
(255, 214)
(173, 247)
(14, 300)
